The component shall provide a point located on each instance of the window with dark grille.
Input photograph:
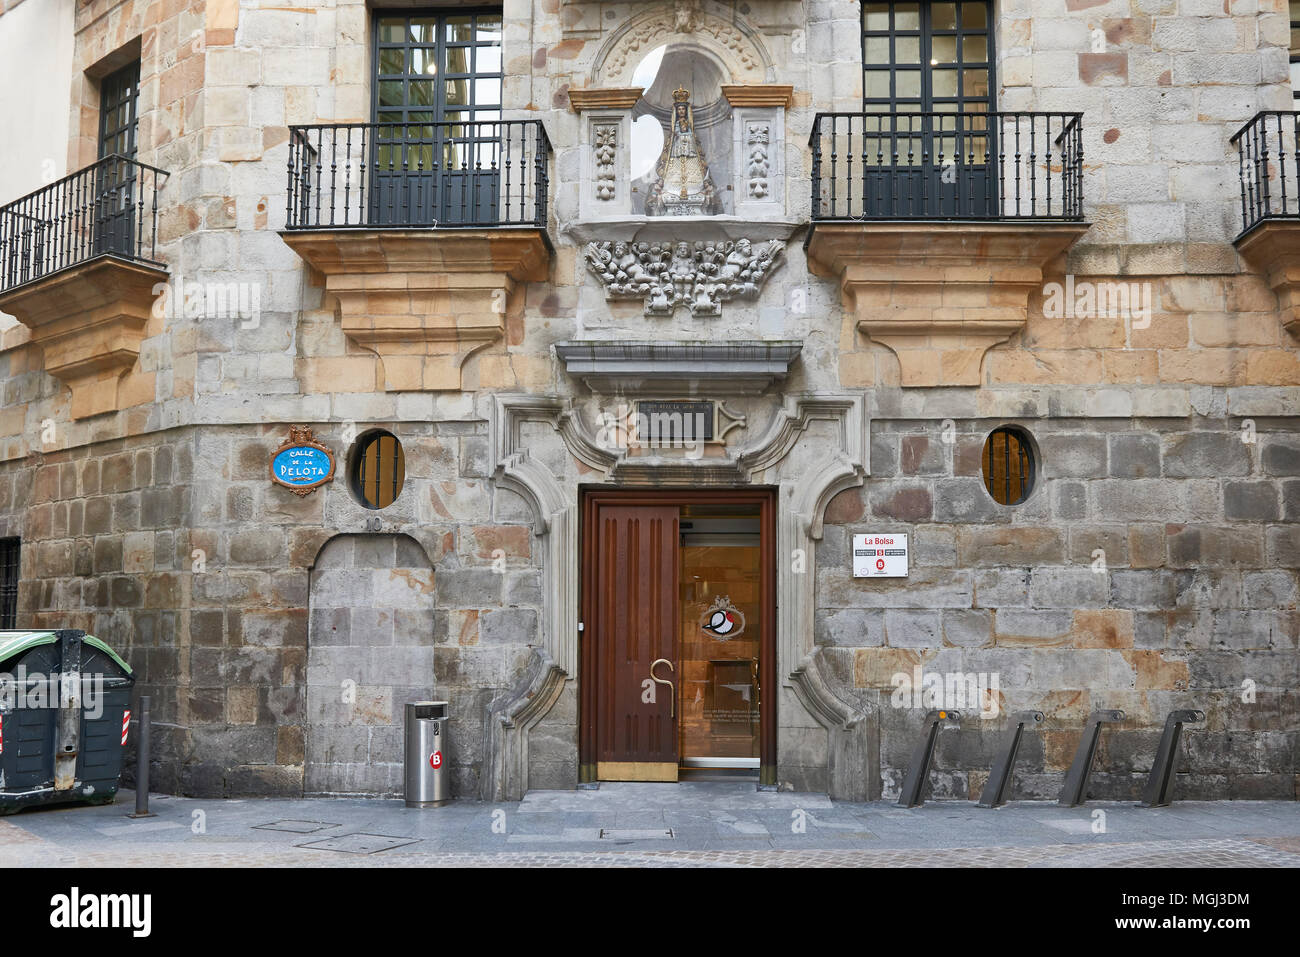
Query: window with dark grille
(437, 96)
(927, 92)
(378, 469)
(115, 183)
(1295, 49)
(9, 575)
(1009, 465)
(118, 95)
(927, 57)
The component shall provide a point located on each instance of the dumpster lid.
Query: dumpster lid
(14, 643)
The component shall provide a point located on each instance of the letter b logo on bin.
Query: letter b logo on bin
(435, 760)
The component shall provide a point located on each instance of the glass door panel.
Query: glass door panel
(721, 624)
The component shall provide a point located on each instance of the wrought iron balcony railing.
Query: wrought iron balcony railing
(947, 166)
(1268, 162)
(110, 208)
(418, 175)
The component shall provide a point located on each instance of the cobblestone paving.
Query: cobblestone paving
(711, 826)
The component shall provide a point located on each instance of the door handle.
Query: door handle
(672, 692)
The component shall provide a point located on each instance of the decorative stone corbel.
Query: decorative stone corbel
(1273, 248)
(424, 300)
(89, 322)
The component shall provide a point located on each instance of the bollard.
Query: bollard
(999, 782)
(914, 782)
(1159, 789)
(1075, 789)
(142, 763)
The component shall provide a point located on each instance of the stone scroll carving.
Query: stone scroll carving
(699, 276)
(756, 141)
(606, 147)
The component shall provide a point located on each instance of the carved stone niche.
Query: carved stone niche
(89, 322)
(1273, 248)
(939, 295)
(424, 300)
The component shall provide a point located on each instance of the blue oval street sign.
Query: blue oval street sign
(301, 464)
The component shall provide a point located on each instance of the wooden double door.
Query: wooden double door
(678, 640)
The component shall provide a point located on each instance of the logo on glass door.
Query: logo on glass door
(722, 619)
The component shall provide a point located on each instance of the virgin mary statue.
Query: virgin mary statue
(682, 184)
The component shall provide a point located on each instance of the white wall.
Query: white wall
(36, 40)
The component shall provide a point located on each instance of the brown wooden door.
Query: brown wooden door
(635, 626)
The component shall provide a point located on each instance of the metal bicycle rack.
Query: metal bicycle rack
(1159, 789)
(918, 772)
(1075, 789)
(999, 782)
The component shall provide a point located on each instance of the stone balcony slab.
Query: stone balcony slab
(89, 321)
(938, 294)
(424, 300)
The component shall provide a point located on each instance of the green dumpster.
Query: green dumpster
(65, 700)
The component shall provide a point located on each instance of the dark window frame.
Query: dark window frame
(925, 34)
(1026, 461)
(1294, 48)
(357, 477)
(10, 576)
(119, 101)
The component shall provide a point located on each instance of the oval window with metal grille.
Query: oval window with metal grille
(1009, 466)
(378, 469)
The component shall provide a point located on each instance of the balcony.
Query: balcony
(938, 226)
(1268, 162)
(422, 232)
(78, 266)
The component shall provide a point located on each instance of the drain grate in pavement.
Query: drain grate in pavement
(635, 834)
(360, 843)
(297, 827)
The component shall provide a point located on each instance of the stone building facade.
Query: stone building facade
(864, 355)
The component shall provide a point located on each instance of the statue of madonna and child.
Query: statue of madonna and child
(683, 186)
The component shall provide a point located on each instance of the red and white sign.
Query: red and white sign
(126, 721)
(880, 555)
(435, 760)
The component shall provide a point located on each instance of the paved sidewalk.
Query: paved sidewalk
(689, 824)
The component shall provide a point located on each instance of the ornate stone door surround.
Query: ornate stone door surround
(814, 447)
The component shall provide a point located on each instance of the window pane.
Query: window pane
(973, 16)
(876, 84)
(459, 30)
(974, 49)
(487, 91)
(392, 30)
(424, 30)
(489, 29)
(424, 61)
(975, 83)
(392, 61)
(908, 83)
(907, 50)
(877, 51)
(943, 50)
(422, 93)
(457, 92)
(390, 93)
(943, 16)
(458, 60)
(907, 16)
(487, 59)
(877, 16)
(944, 82)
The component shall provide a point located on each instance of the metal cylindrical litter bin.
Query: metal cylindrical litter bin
(427, 782)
